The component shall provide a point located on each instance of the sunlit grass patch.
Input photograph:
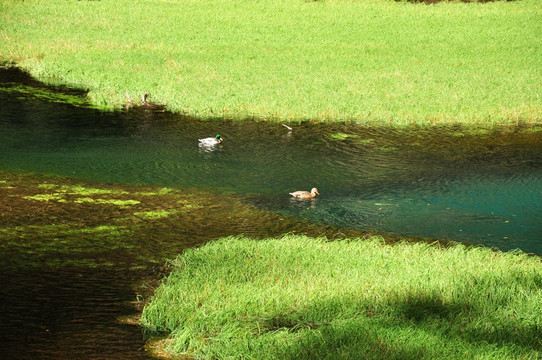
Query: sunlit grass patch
(303, 298)
(369, 61)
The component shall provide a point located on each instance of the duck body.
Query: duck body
(211, 140)
(305, 194)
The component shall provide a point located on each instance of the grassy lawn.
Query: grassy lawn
(370, 61)
(304, 298)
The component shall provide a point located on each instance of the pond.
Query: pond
(482, 186)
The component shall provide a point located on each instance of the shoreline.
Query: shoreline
(70, 94)
(366, 61)
(239, 297)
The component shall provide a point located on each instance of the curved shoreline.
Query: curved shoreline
(375, 62)
(69, 94)
(296, 297)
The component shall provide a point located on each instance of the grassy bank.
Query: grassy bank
(304, 298)
(367, 60)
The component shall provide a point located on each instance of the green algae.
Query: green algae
(117, 202)
(157, 214)
(342, 136)
(59, 232)
(64, 193)
(365, 141)
(47, 186)
(81, 190)
(388, 148)
(44, 197)
(189, 204)
(51, 221)
(3, 184)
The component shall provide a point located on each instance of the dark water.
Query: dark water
(68, 313)
(483, 187)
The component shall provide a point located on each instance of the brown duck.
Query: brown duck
(305, 194)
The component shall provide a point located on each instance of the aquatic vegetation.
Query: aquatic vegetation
(78, 224)
(81, 190)
(297, 297)
(44, 197)
(472, 131)
(365, 141)
(388, 148)
(117, 202)
(161, 191)
(342, 136)
(158, 214)
(64, 193)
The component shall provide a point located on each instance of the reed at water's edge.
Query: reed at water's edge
(303, 298)
(370, 61)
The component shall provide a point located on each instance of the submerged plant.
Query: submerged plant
(81, 223)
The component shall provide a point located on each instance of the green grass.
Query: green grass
(304, 298)
(372, 61)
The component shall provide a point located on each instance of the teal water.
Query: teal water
(483, 188)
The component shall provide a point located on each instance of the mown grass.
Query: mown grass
(372, 61)
(298, 297)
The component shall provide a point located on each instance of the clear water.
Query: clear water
(443, 183)
(482, 188)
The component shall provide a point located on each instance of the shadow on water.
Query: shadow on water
(92, 202)
(78, 259)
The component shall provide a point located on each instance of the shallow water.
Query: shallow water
(483, 187)
(68, 313)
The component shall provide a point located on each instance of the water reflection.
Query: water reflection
(209, 148)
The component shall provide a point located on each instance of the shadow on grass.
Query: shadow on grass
(420, 327)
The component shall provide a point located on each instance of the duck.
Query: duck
(211, 140)
(305, 194)
(149, 105)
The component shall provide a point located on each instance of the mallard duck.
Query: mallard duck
(305, 194)
(211, 141)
